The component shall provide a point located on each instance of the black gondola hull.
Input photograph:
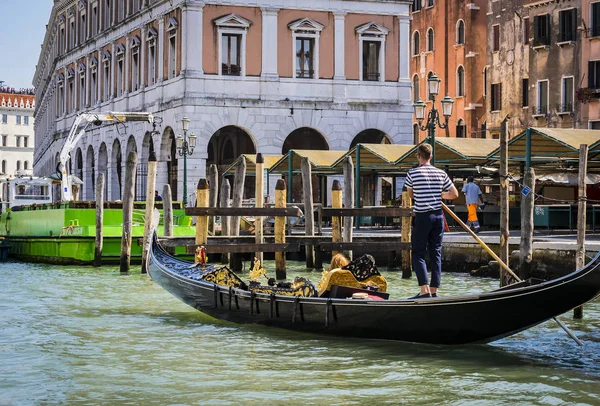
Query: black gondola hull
(450, 320)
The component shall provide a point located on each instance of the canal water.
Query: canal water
(79, 335)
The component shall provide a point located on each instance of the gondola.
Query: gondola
(474, 318)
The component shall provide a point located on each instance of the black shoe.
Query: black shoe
(434, 295)
(424, 296)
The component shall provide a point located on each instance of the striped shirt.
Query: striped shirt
(427, 183)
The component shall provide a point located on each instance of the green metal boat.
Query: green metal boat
(65, 232)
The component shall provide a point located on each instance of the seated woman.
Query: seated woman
(361, 273)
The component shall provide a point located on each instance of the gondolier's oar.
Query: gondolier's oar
(503, 265)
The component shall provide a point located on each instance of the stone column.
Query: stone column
(269, 43)
(113, 70)
(404, 59)
(191, 39)
(127, 58)
(161, 48)
(99, 73)
(142, 62)
(339, 43)
(87, 81)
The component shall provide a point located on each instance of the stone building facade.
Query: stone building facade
(541, 64)
(252, 76)
(16, 132)
(447, 39)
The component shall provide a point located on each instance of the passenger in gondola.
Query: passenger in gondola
(428, 185)
(338, 261)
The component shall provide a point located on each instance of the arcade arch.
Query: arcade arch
(90, 178)
(225, 146)
(304, 138)
(370, 136)
(116, 170)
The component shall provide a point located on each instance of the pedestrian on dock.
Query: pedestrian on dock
(428, 185)
(473, 197)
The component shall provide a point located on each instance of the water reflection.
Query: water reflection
(83, 335)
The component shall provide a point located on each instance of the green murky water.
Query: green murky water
(79, 335)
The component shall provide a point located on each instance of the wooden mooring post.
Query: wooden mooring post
(150, 188)
(406, 236)
(527, 207)
(336, 222)
(128, 198)
(238, 195)
(168, 215)
(348, 200)
(309, 215)
(99, 220)
(280, 203)
(581, 216)
(504, 209)
(225, 220)
(259, 194)
(213, 196)
(202, 200)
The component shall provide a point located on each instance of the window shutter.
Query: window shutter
(591, 74)
(500, 96)
(573, 28)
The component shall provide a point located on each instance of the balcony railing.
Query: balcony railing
(587, 94)
(567, 36)
(541, 41)
(540, 110)
(593, 31)
(373, 77)
(565, 107)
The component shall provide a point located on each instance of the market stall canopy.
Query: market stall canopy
(454, 152)
(321, 161)
(269, 161)
(551, 145)
(56, 177)
(378, 157)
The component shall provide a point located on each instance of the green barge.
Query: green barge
(64, 233)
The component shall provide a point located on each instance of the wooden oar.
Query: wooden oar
(503, 265)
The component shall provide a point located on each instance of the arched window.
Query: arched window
(460, 81)
(484, 130)
(416, 88)
(460, 128)
(26, 165)
(430, 39)
(416, 43)
(460, 32)
(18, 165)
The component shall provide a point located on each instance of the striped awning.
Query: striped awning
(454, 152)
(250, 159)
(551, 145)
(320, 161)
(378, 157)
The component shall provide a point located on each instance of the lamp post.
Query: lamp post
(433, 118)
(185, 146)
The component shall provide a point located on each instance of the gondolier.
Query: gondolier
(428, 185)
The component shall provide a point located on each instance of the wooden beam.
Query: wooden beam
(243, 211)
(369, 211)
(366, 246)
(243, 248)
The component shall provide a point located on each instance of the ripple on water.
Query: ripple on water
(93, 336)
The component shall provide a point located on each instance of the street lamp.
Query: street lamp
(433, 118)
(185, 146)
